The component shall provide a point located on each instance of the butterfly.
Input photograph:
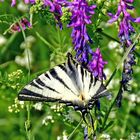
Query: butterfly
(68, 83)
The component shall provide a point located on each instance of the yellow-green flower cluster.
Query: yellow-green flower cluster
(16, 106)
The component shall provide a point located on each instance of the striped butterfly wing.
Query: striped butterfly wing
(67, 83)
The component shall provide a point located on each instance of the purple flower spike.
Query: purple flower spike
(81, 16)
(56, 9)
(125, 28)
(96, 65)
(125, 31)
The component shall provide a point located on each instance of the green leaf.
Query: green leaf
(110, 124)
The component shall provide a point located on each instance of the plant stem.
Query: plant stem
(114, 72)
(45, 41)
(28, 122)
(126, 119)
(75, 129)
(110, 108)
(59, 38)
(27, 50)
(8, 44)
(117, 68)
(110, 37)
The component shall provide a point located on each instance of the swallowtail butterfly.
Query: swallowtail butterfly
(68, 83)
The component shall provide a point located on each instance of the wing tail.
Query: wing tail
(102, 94)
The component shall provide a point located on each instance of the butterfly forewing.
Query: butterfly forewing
(64, 80)
(68, 83)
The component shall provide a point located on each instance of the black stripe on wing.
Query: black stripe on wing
(63, 68)
(82, 73)
(70, 65)
(46, 74)
(91, 81)
(38, 80)
(72, 68)
(35, 85)
(27, 95)
(52, 89)
(56, 76)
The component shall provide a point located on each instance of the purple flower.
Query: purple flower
(24, 23)
(96, 65)
(125, 31)
(126, 75)
(13, 3)
(56, 9)
(81, 16)
(125, 27)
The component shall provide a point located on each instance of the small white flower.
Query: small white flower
(105, 136)
(22, 7)
(47, 119)
(21, 102)
(3, 40)
(59, 138)
(112, 45)
(23, 60)
(57, 107)
(132, 97)
(44, 122)
(30, 39)
(38, 106)
(10, 109)
(63, 137)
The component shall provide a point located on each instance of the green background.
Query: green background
(124, 121)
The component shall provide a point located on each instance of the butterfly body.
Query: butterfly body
(68, 83)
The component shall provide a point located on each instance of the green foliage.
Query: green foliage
(22, 58)
(66, 15)
(43, 12)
